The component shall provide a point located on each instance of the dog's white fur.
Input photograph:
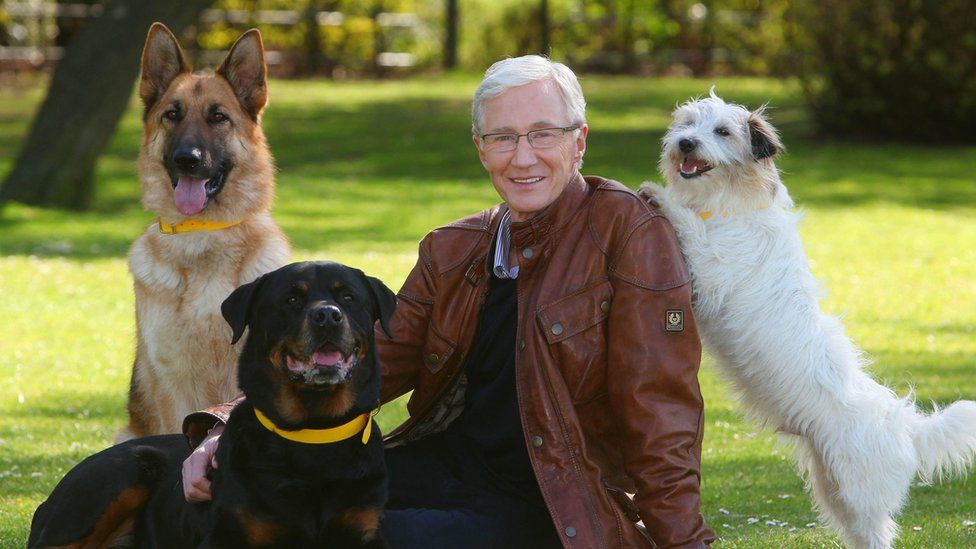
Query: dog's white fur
(756, 304)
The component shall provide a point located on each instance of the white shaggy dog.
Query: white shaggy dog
(858, 445)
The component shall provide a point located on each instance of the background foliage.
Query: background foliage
(623, 36)
(890, 69)
(882, 69)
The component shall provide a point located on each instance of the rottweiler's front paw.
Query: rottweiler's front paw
(358, 527)
(374, 541)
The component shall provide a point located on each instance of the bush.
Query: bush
(890, 69)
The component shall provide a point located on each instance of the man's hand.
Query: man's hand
(196, 486)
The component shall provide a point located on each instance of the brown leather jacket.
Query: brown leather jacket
(606, 368)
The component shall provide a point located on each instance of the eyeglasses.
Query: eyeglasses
(543, 138)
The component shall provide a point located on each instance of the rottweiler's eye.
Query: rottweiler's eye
(291, 300)
(172, 115)
(722, 131)
(217, 117)
(348, 298)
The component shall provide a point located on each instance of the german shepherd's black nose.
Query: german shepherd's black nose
(687, 145)
(187, 158)
(327, 315)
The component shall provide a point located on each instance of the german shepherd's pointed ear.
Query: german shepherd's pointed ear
(762, 134)
(237, 307)
(385, 301)
(162, 61)
(245, 71)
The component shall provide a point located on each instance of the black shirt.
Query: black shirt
(489, 429)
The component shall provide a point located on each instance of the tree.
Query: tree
(451, 36)
(545, 46)
(89, 91)
(379, 37)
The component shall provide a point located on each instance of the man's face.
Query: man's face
(530, 179)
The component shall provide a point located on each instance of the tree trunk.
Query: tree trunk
(312, 60)
(379, 38)
(628, 37)
(89, 91)
(451, 36)
(544, 33)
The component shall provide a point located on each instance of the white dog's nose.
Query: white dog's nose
(687, 145)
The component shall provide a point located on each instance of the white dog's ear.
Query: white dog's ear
(764, 137)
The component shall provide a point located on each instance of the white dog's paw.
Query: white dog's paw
(651, 193)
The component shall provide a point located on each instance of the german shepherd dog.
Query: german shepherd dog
(301, 462)
(207, 174)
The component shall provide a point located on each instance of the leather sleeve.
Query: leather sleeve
(652, 382)
(401, 356)
(196, 425)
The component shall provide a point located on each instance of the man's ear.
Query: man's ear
(385, 301)
(762, 134)
(162, 61)
(581, 143)
(237, 308)
(245, 71)
(481, 154)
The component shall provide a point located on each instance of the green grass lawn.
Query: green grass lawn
(366, 168)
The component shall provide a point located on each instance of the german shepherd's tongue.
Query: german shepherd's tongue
(190, 195)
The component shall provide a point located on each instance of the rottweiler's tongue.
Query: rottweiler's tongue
(327, 358)
(190, 195)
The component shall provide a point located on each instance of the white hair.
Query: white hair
(519, 71)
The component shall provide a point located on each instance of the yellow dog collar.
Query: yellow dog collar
(706, 215)
(194, 225)
(347, 430)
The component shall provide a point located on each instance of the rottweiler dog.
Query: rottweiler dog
(300, 461)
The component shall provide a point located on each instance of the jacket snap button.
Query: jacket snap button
(527, 253)
(605, 306)
(537, 441)
(433, 357)
(522, 345)
(570, 532)
(557, 328)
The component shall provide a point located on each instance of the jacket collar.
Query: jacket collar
(529, 232)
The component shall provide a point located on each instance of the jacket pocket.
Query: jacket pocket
(575, 328)
(625, 508)
(437, 350)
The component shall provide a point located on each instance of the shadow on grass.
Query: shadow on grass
(364, 160)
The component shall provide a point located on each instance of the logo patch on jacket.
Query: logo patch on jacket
(674, 320)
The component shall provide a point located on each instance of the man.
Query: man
(550, 348)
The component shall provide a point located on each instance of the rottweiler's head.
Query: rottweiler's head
(309, 353)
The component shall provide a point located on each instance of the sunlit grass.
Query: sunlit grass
(366, 168)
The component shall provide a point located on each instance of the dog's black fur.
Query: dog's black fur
(268, 491)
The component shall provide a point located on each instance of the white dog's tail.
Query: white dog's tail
(946, 441)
